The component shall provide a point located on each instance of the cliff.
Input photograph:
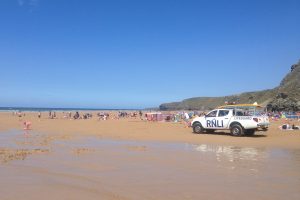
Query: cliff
(284, 97)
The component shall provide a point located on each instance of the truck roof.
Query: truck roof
(239, 106)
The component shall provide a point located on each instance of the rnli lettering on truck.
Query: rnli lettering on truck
(214, 123)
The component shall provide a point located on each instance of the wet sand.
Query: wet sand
(89, 167)
(133, 159)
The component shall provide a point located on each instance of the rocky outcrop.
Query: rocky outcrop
(288, 92)
(284, 97)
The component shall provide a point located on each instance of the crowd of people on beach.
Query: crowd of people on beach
(290, 119)
(283, 115)
(89, 115)
(115, 115)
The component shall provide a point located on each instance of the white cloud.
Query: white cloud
(31, 3)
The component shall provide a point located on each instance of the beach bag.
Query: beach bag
(284, 126)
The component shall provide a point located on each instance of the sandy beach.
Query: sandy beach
(134, 159)
(136, 129)
(122, 100)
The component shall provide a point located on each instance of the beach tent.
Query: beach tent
(154, 116)
(158, 116)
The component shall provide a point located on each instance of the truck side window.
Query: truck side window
(239, 113)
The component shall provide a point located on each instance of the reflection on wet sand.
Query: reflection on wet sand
(232, 153)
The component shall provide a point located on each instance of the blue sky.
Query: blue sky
(140, 53)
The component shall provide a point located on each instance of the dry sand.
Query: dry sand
(136, 129)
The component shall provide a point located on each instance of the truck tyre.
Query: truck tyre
(237, 130)
(249, 132)
(197, 128)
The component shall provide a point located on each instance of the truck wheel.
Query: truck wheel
(249, 132)
(197, 128)
(236, 130)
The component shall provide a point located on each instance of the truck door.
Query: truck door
(210, 120)
(223, 119)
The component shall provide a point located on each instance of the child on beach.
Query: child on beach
(27, 125)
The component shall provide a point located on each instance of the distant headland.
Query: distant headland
(284, 97)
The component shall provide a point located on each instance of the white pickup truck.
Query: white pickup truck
(239, 119)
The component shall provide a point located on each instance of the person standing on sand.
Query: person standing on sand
(186, 119)
(141, 115)
(19, 115)
(186, 116)
(76, 116)
(39, 115)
